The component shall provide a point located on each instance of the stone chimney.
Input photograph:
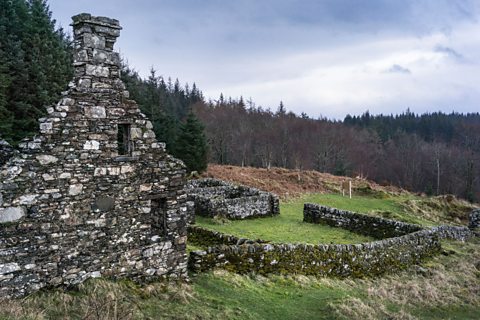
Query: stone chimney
(96, 65)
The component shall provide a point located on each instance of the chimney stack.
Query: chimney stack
(96, 65)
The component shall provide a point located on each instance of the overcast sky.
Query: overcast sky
(322, 57)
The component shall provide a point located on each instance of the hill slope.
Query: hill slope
(288, 184)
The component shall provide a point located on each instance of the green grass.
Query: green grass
(288, 227)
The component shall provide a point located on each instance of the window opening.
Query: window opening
(159, 216)
(124, 140)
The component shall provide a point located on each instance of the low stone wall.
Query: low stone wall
(474, 220)
(356, 260)
(403, 245)
(453, 232)
(214, 197)
(376, 227)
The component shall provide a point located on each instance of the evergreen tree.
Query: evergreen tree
(35, 65)
(191, 145)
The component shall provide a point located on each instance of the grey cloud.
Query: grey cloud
(450, 53)
(398, 69)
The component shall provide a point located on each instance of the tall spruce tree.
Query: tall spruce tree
(35, 66)
(191, 145)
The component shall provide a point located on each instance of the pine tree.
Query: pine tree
(191, 145)
(35, 65)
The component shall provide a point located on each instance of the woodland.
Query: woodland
(432, 153)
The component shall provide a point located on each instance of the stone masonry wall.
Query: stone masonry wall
(376, 227)
(85, 198)
(214, 197)
(405, 244)
(6, 151)
(474, 220)
(204, 237)
(356, 260)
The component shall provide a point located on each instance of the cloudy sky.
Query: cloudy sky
(322, 57)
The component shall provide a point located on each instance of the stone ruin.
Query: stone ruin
(6, 151)
(474, 221)
(213, 197)
(94, 194)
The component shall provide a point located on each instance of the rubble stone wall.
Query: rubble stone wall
(6, 151)
(403, 245)
(214, 197)
(376, 227)
(474, 220)
(81, 201)
(356, 260)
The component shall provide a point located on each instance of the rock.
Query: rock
(46, 159)
(28, 199)
(11, 214)
(75, 189)
(91, 145)
(96, 112)
(9, 268)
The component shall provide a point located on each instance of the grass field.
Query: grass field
(289, 226)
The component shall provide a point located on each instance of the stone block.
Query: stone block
(91, 145)
(75, 189)
(9, 268)
(94, 41)
(97, 71)
(12, 214)
(95, 112)
(46, 159)
(27, 199)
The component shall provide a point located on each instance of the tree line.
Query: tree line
(435, 153)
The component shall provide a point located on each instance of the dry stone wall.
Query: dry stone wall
(376, 227)
(330, 260)
(204, 237)
(402, 245)
(214, 197)
(94, 194)
(474, 220)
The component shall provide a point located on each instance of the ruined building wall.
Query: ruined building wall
(94, 194)
(213, 197)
